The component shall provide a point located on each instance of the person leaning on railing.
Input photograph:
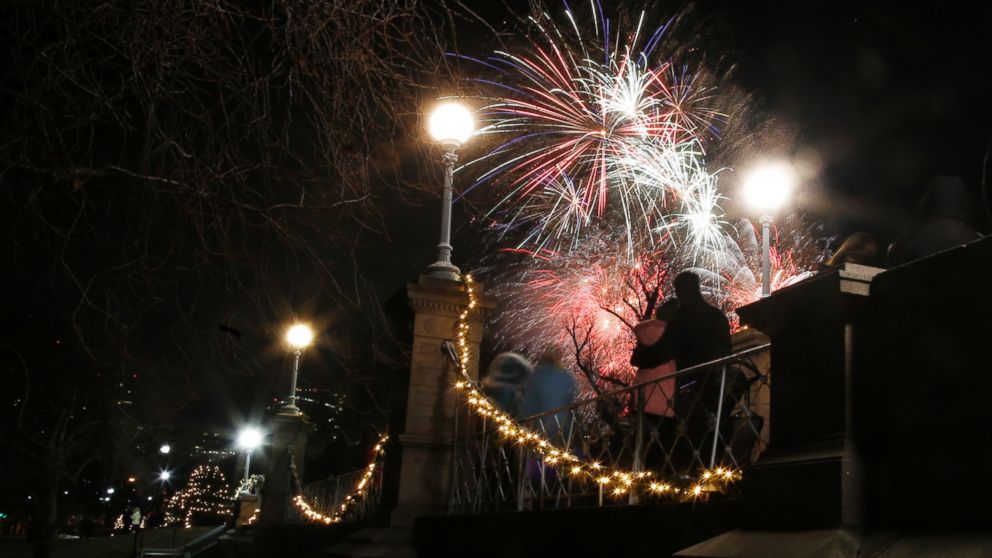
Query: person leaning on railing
(549, 387)
(699, 333)
(657, 399)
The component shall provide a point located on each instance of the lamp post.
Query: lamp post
(765, 188)
(298, 337)
(450, 124)
(248, 440)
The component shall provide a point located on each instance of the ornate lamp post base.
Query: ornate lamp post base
(443, 270)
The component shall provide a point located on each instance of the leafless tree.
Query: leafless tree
(158, 155)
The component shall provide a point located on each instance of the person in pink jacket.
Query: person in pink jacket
(659, 403)
(658, 397)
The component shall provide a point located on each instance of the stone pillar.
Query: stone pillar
(246, 510)
(425, 470)
(806, 487)
(810, 476)
(287, 434)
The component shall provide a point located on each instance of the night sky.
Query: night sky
(887, 97)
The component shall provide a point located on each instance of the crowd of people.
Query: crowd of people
(687, 331)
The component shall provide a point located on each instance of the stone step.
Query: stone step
(370, 550)
(385, 542)
(383, 535)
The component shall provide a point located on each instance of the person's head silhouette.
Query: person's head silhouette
(687, 287)
(667, 311)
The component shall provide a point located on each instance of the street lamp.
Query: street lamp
(765, 188)
(164, 476)
(248, 440)
(165, 449)
(451, 124)
(298, 337)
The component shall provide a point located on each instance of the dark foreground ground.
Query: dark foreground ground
(118, 546)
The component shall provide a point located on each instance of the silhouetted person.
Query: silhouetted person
(698, 334)
(650, 332)
(946, 207)
(659, 396)
(859, 248)
(504, 380)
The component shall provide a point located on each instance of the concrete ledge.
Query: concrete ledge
(842, 543)
(828, 543)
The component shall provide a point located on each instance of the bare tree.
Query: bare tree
(160, 159)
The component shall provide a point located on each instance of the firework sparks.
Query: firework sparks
(604, 190)
(596, 131)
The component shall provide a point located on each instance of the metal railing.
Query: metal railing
(328, 495)
(674, 428)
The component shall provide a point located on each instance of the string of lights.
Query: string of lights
(254, 516)
(360, 490)
(206, 492)
(249, 484)
(615, 481)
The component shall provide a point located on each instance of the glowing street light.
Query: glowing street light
(110, 491)
(298, 337)
(450, 124)
(165, 449)
(766, 187)
(249, 439)
(164, 476)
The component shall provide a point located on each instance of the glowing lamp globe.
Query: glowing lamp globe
(451, 123)
(164, 449)
(249, 438)
(164, 476)
(768, 186)
(299, 336)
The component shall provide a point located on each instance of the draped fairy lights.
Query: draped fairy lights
(612, 480)
(361, 490)
(249, 485)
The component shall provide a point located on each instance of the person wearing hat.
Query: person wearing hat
(504, 381)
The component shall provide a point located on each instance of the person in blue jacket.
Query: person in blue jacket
(504, 379)
(548, 388)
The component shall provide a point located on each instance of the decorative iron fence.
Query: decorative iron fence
(331, 494)
(678, 434)
(353, 496)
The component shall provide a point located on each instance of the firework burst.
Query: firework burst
(604, 192)
(595, 129)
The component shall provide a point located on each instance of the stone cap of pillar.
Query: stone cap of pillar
(746, 338)
(447, 298)
(832, 293)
